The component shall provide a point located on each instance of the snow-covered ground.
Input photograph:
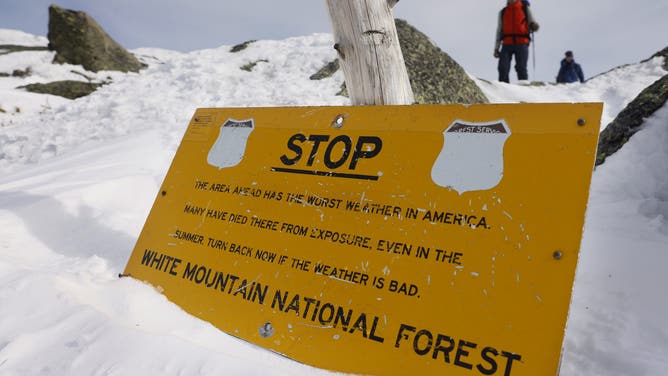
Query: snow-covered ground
(77, 179)
(619, 314)
(615, 89)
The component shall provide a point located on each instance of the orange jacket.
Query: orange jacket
(515, 24)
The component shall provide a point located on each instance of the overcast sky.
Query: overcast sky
(602, 33)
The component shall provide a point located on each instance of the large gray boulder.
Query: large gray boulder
(78, 39)
(435, 77)
(628, 122)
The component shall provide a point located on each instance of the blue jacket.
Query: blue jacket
(570, 72)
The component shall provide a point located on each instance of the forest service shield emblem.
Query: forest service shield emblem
(472, 156)
(230, 146)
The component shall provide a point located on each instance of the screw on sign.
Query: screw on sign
(338, 121)
(266, 330)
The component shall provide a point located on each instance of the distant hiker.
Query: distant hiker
(516, 22)
(570, 71)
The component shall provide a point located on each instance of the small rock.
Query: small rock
(343, 91)
(22, 73)
(242, 46)
(68, 89)
(327, 71)
(9, 48)
(249, 67)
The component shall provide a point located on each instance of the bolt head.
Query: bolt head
(338, 121)
(266, 330)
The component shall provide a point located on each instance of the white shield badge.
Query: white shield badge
(230, 147)
(472, 156)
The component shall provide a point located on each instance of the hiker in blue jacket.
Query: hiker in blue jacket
(570, 71)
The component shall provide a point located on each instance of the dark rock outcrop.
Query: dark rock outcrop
(78, 39)
(327, 71)
(628, 122)
(250, 66)
(435, 77)
(9, 48)
(664, 54)
(68, 88)
(242, 46)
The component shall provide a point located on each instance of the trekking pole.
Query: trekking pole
(533, 53)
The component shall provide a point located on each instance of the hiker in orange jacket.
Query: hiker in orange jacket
(516, 22)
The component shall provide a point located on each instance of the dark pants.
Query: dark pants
(521, 52)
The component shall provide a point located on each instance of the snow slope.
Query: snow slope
(162, 97)
(619, 315)
(79, 177)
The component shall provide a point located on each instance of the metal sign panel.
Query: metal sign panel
(379, 240)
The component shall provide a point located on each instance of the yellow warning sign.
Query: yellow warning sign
(379, 240)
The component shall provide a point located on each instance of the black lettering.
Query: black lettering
(416, 342)
(260, 293)
(491, 361)
(317, 139)
(342, 318)
(401, 334)
(372, 332)
(175, 265)
(295, 148)
(294, 305)
(280, 300)
(509, 364)
(148, 255)
(363, 141)
(346, 151)
(360, 324)
(199, 277)
(461, 352)
(445, 349)
(189, 273)
(308, 301)
(324, 320)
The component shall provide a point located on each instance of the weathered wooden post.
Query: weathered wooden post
(368, 46)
